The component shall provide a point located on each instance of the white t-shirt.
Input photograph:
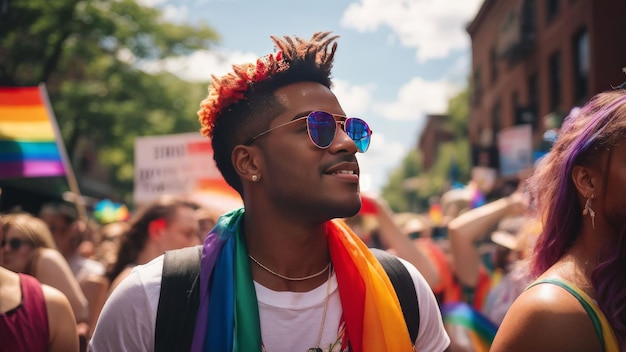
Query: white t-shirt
(82, 267)
(290, 321)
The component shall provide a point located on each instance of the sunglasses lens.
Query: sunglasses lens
(15, 243)
(322, 127)
(359, 132)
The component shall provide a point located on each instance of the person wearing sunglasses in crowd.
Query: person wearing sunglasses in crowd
(304, 281)
(577, 302)
(33, 317)
(28, 247)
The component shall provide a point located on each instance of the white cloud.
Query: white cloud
(378, 162)
(433, 27)
(417, 98)
(175, 14)
(354, 99)
(200, 65)
(169, 12)
(150, 3)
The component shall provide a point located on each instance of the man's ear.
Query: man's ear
(246, 161)
(585, 180)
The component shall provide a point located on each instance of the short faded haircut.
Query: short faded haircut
(241, 103)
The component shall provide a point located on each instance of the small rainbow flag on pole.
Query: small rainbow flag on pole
(30, 142)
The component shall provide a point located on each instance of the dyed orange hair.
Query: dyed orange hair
(241, 103)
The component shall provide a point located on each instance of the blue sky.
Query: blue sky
(397, 60)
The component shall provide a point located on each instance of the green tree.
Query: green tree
(87, 52)
(410, 188)
(400, 191)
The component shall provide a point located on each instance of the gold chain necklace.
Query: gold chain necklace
(319, 337)
(287, 277)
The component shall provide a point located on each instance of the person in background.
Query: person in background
(466, 274)
(73, 238)
(577, 301)
(304, 280)
(515, 239)
(33, 317)
(61, 219)
(207, 218)
(391, 237)
(167, 223)
(29, 248)
(466, 231)
(108, 240)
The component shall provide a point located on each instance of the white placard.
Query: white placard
(515, 149)
(178, 164)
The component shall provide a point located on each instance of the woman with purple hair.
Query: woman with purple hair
(578, 301)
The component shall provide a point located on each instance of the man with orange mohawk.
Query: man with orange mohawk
(279, 274)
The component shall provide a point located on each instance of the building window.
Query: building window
(554, 69)
(533, 97)
(581, 65)
(533, 91)
(552, 9)
(515, 101)
(496, 120)
(493, 64)
(477, 88)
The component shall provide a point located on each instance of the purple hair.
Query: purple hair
(585, 134)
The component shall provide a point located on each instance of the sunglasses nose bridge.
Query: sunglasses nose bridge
(342, 136)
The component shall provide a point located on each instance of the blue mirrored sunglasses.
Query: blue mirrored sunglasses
(322, 129)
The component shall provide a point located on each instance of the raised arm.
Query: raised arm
(466, 229)
(402, 246)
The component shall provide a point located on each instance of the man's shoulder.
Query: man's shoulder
(417, 277)
(144, 277)
(149, 273)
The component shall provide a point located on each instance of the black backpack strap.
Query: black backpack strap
(179, 300)
(405, 289)
(180, 297)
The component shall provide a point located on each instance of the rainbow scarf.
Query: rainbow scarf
(228, 315)
(28, 141)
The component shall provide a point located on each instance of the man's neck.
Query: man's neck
(288, 248)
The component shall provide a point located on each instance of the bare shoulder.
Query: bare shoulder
(546, 318)
(63, 333)
(49, 256)
(56, 302)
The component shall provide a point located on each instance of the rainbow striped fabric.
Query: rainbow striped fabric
(480, 330)
(228, 315)
(28, 146)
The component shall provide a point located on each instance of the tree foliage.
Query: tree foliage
(87, 52)
(410, 188)
(397, 192)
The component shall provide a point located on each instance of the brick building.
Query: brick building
(534, 59)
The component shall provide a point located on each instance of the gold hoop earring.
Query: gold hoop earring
(588, 210)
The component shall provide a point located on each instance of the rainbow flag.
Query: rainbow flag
(480, 330)
(28, 134)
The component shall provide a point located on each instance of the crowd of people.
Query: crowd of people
(538, 268)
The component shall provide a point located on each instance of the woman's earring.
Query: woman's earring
(590, 211)
(255, 178)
